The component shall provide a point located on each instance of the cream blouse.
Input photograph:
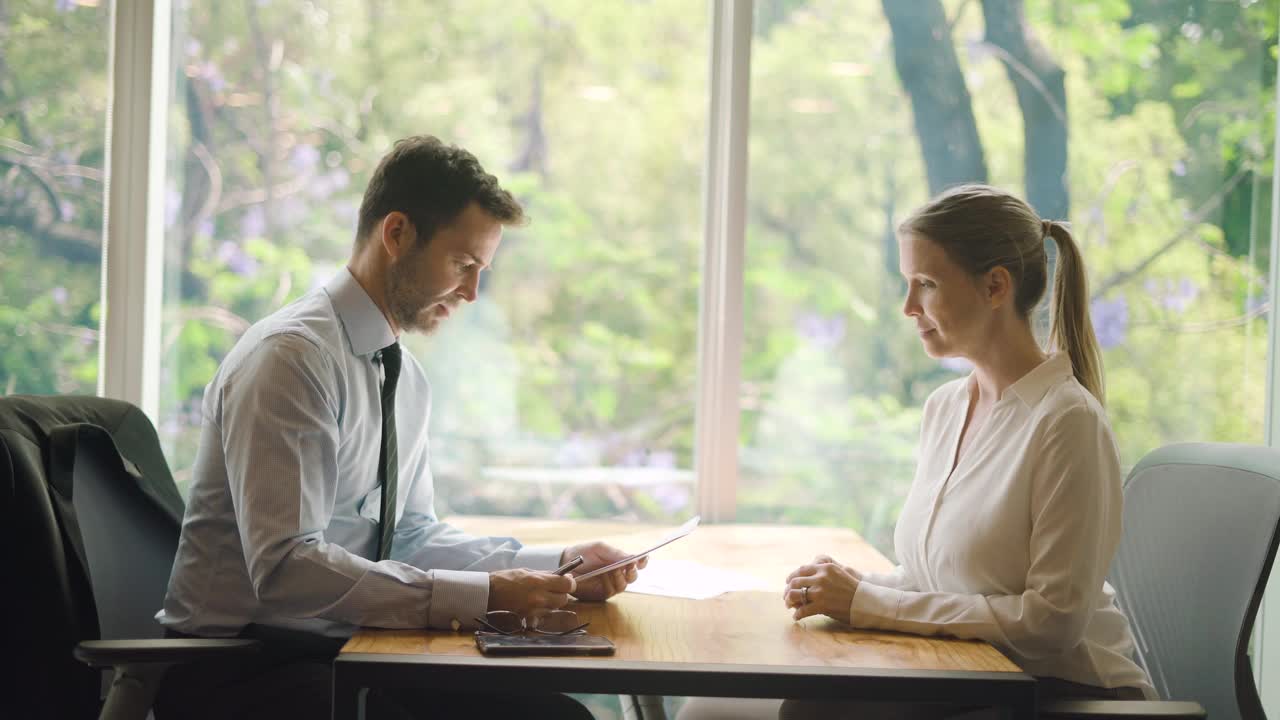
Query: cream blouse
(1014, 545)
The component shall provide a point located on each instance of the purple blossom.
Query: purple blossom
(235, 258)
(1179, 168)
(329, 183)
(577, 451)
(65, 5)
(633, 458)
(1255, 303)
(172, 204)
(824, 332)
(66, 211)
(212, 75)
(1177, 296)
(348, 213)
(59, 295)
(641, 457)
(1110, 321)
(671, 498)
(662, 459)
(304, 158)
(205, 227)
(290, 210)
(254, 222)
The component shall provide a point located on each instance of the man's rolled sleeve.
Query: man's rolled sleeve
(545, 559)
(457, 595)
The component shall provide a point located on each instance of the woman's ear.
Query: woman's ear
(998, 286)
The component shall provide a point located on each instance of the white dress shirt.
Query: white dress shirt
(282, 521)
(1014, 544)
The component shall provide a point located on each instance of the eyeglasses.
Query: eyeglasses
(556, 622)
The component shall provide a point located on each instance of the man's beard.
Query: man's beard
(407, 305)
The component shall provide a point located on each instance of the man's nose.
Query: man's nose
(470, 288)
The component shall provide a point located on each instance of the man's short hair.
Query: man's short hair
(432, 183)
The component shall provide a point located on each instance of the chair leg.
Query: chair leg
(133, 690)
(643, 707)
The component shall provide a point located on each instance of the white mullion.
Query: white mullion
(720, 320)
(1266, 637)
(133, 241)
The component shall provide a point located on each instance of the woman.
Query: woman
(1014, 514)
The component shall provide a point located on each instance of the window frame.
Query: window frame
(1266, 637)
(133, 237)
(133, 255)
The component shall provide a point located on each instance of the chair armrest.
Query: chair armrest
(1121, 710)
(108, 653)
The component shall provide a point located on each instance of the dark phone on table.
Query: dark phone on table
(493, 644)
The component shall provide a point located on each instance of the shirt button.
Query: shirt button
(455, 625)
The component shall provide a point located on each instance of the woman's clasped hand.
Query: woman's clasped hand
(823, 587)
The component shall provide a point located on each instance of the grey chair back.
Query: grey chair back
(1200, 533)
(128, 543)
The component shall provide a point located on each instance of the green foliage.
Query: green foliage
(583, 348)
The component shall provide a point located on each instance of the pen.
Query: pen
(565, 568)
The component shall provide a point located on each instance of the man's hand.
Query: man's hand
(526, 591)
(595, 555)
(823, 587)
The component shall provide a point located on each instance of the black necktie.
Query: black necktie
(388, 470)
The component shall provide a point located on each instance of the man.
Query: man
(311, 511)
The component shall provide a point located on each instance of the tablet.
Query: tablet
(676, 534)
(493, 644)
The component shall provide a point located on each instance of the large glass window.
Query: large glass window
(567, 389)
(861, 111)
(53, 115)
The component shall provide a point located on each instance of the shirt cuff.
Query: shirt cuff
(457, 596)
(538, 558)
(873, 606)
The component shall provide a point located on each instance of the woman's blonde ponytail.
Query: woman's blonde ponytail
(1070, 329)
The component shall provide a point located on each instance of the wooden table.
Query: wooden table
(741, 644)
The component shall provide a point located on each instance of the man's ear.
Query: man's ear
(396, 233)
(998, 285)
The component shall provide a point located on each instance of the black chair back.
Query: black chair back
(90, 519)
(129, 544)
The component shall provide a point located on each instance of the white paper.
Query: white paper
(695, 581)
(678, 533)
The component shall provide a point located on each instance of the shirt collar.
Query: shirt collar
(1031, 388)
(366, 327)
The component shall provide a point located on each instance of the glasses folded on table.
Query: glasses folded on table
(556, 622)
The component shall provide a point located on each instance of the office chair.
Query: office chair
(1200, 534)
(92, 534)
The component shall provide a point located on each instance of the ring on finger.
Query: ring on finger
(804, 595)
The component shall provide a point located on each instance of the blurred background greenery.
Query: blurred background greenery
(569, 388)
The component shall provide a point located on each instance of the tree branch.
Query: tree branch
(1193, 222)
